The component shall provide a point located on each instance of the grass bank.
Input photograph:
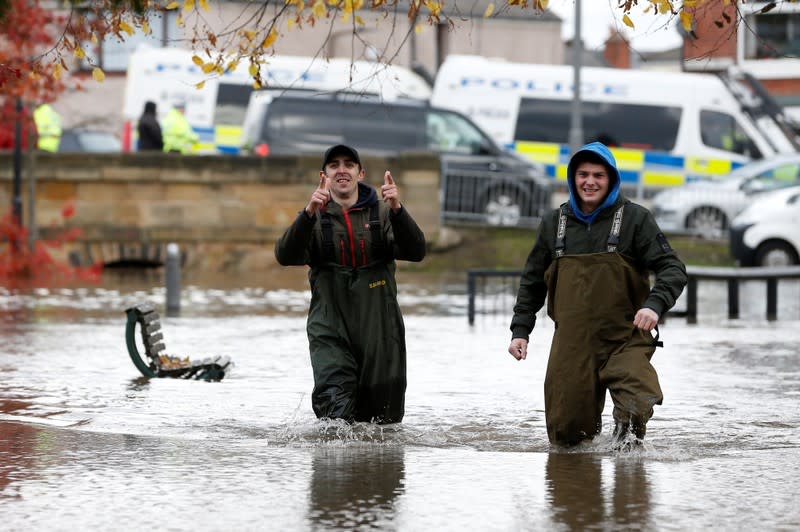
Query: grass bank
(504, 248)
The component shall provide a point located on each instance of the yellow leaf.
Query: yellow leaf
(124, 26)
(233, 65)
(57, 71)
(627, 20)
(319, 10)
(686, 21)
(208, 68)
(171, 6)
(489, 10)
(204, 5)
(146, 28)
(179, 21)
(79, 53)
(418, 29)
(197, 61)
(256, 84)
(200, 85)
(94, 38)
(289, 24)
(253, 69)
(250, 34)
(188, 5)
(98, 75)
(360, 21)
(270, 40)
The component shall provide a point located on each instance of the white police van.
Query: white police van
(664, 128)
(169, 76)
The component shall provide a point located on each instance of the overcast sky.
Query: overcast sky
(652, 33)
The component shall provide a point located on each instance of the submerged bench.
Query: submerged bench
(155, 363)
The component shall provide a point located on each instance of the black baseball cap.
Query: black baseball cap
(340, 149)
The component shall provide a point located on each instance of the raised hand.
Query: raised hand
(320, 197)
(389, 192)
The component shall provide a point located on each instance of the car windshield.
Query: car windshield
(756, 168)
(450, 132)
(98, 142)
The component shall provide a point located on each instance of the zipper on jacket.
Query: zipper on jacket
(350, 237)
(341, 248)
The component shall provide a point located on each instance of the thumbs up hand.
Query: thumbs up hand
(320, 197)
(389, 192)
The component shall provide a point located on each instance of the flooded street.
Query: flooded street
(86, 443)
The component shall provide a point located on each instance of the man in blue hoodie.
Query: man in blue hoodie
(592, 261)
(350, 239)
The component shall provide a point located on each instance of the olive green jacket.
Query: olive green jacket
(640, 240)
(302, 243)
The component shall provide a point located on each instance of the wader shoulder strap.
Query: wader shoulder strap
(328, 248)
(616, 226)
(378, 246)
(561, 232)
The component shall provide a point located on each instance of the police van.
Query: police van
(216, 110)
(664, 128)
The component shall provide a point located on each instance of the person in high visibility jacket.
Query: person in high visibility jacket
(48, 128)
(179, 137)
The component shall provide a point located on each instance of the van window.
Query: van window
(382, 126)
(721, 131)
(313, 121)
(449, 132)
(231, 104)
(647, 127)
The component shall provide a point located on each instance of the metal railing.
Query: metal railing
(498, 289)
(483, 197)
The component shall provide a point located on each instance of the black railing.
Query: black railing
(479, 196)
(732, 276)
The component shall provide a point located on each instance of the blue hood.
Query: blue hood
(600, 149)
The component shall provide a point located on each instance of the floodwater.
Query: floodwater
(87, 444)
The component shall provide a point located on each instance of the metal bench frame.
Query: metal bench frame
(155, 363)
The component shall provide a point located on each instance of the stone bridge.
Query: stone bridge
(224, 211)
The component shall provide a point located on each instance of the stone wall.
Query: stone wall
(225, 212)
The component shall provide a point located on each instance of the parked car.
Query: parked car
(706, 208)
(481, 181)
(88, 141)
(766, 232)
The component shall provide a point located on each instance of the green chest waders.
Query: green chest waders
(592, 299)
(357, 341)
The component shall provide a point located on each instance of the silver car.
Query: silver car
(706, 208)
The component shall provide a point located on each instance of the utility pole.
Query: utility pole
(16, 201)
(576, 124)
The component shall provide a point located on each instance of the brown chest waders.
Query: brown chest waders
(592, 299)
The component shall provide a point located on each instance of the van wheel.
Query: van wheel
(708, 222)
(501, 208)
(775, 254)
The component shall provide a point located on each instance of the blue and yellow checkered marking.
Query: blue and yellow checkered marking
(654, 169)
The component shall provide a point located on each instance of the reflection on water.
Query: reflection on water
(355, 486)
(589, 490)
(87, 443)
